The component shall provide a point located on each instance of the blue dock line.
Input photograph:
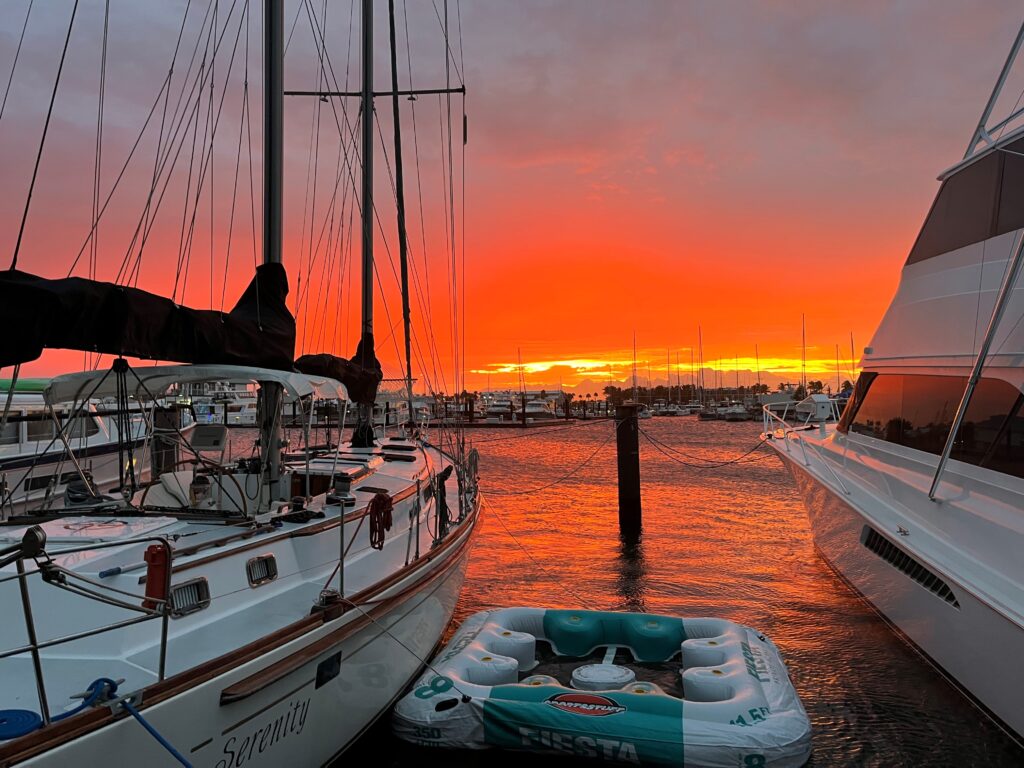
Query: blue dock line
(19, 722)
(153, 732)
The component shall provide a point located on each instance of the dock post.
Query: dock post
(627, 444)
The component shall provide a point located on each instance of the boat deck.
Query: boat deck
(306, 555)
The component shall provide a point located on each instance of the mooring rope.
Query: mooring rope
(561, 479)
(665, 449)
(539, 432)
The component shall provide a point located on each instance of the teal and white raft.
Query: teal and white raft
(624, 687)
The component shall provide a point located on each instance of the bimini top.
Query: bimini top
(149, 383)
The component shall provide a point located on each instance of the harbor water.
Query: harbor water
(731, 541)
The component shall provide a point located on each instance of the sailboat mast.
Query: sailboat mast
(403, 244)
(271, 393)
(362, 436)
(367, 179)
(273, 124)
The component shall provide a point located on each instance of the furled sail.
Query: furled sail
(361, 375)
(87, 315)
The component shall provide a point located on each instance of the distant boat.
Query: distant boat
(916, 496)
(735, 412)
(540, 410)
(35, 464)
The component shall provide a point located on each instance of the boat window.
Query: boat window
(929, 406)
(40, 430)
(1010, 214)
(9, 435)
(918, 411)
(992, 433)
(84, 426)
(879, 414)
(963, 211)
(853, 404)
(979, 201)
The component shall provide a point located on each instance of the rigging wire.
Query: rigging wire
(42, 140)
(238, 164)
(98, 165)
(320, 41)
(17, 54)
(210, 129)
(183, 121)
(163, 92)
(429, 313)
(146, 220)
(129, 271)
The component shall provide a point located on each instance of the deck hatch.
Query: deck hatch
(261, 569)
(189, 597)
(902, 561)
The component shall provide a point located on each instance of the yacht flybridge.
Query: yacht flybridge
(262, 610)
(916, 496)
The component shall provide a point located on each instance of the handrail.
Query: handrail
(34, 645)
(770, 416)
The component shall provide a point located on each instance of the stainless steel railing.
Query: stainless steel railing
(57, 576)
(794, 433)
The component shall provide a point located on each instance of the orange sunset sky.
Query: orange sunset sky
(640, 167)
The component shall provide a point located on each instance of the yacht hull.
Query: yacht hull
(962, 640)
(310, 698)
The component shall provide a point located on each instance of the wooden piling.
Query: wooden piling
(627, 443)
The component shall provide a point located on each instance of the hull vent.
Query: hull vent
(261, 569)
(900, 560)
(189, 597)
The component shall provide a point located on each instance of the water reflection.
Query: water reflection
(732, 542)
(632, 582)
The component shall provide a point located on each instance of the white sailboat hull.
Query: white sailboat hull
(967, 641)
(304, 717)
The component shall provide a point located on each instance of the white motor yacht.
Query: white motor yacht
(540, 410)
(71, 456)
(916, 496)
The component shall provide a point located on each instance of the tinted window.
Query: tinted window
(880, 412)
(1010, 214)
(918, 411)
(963, 212)
(992, 433)
(983, 200)
(929, 406)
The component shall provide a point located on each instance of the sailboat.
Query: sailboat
(915, 497)
(258, 612)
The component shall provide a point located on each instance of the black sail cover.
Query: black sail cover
(76, 313)
(361, 375)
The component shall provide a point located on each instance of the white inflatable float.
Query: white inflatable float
(488, 688)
